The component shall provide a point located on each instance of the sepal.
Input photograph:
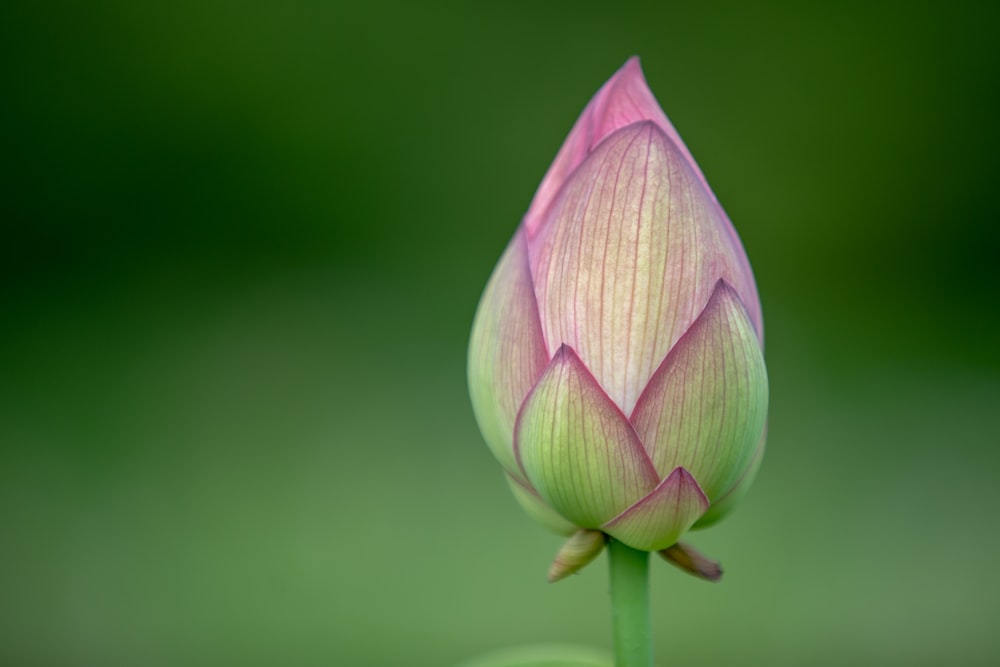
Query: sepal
(692, 561)
(578, 552)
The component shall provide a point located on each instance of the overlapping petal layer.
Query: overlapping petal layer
(629, 257)
(506, 351)
(656, 521)
(623, 100)
(576, 447)
(705, 407)
(649, 418)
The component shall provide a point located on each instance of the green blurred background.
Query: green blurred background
(242, 244)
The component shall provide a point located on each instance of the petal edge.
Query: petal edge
(577, 449)
(658, 520)
(705, 406)
(506, 351)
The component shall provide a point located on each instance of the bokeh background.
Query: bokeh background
(242, 244)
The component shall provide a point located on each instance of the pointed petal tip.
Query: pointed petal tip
(666, 513)
(705, 406)
(726, 290)
(632, 69)
(725, 287)
(687, 485)
(569, 361)
(577, 448)
(624, 99)
(565, 353)
(749, 301)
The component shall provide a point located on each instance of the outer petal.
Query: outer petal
(658, 520)
(705, 407)
(623, 100)
(577, 448)
(536, 508)
(630, 256)
(506, 351)
(729, 499)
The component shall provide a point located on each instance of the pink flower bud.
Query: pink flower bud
(615, 365)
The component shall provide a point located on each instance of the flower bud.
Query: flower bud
(615, 364)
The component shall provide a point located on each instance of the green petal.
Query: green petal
(506, 351)
(705, 407)
(658, 520)
(577, 448)
(537, 509)
(731, 498)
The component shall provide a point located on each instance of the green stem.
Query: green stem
(630, 605)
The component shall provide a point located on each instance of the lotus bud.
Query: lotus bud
(615, 364)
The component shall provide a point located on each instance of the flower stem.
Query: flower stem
(630, 605)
